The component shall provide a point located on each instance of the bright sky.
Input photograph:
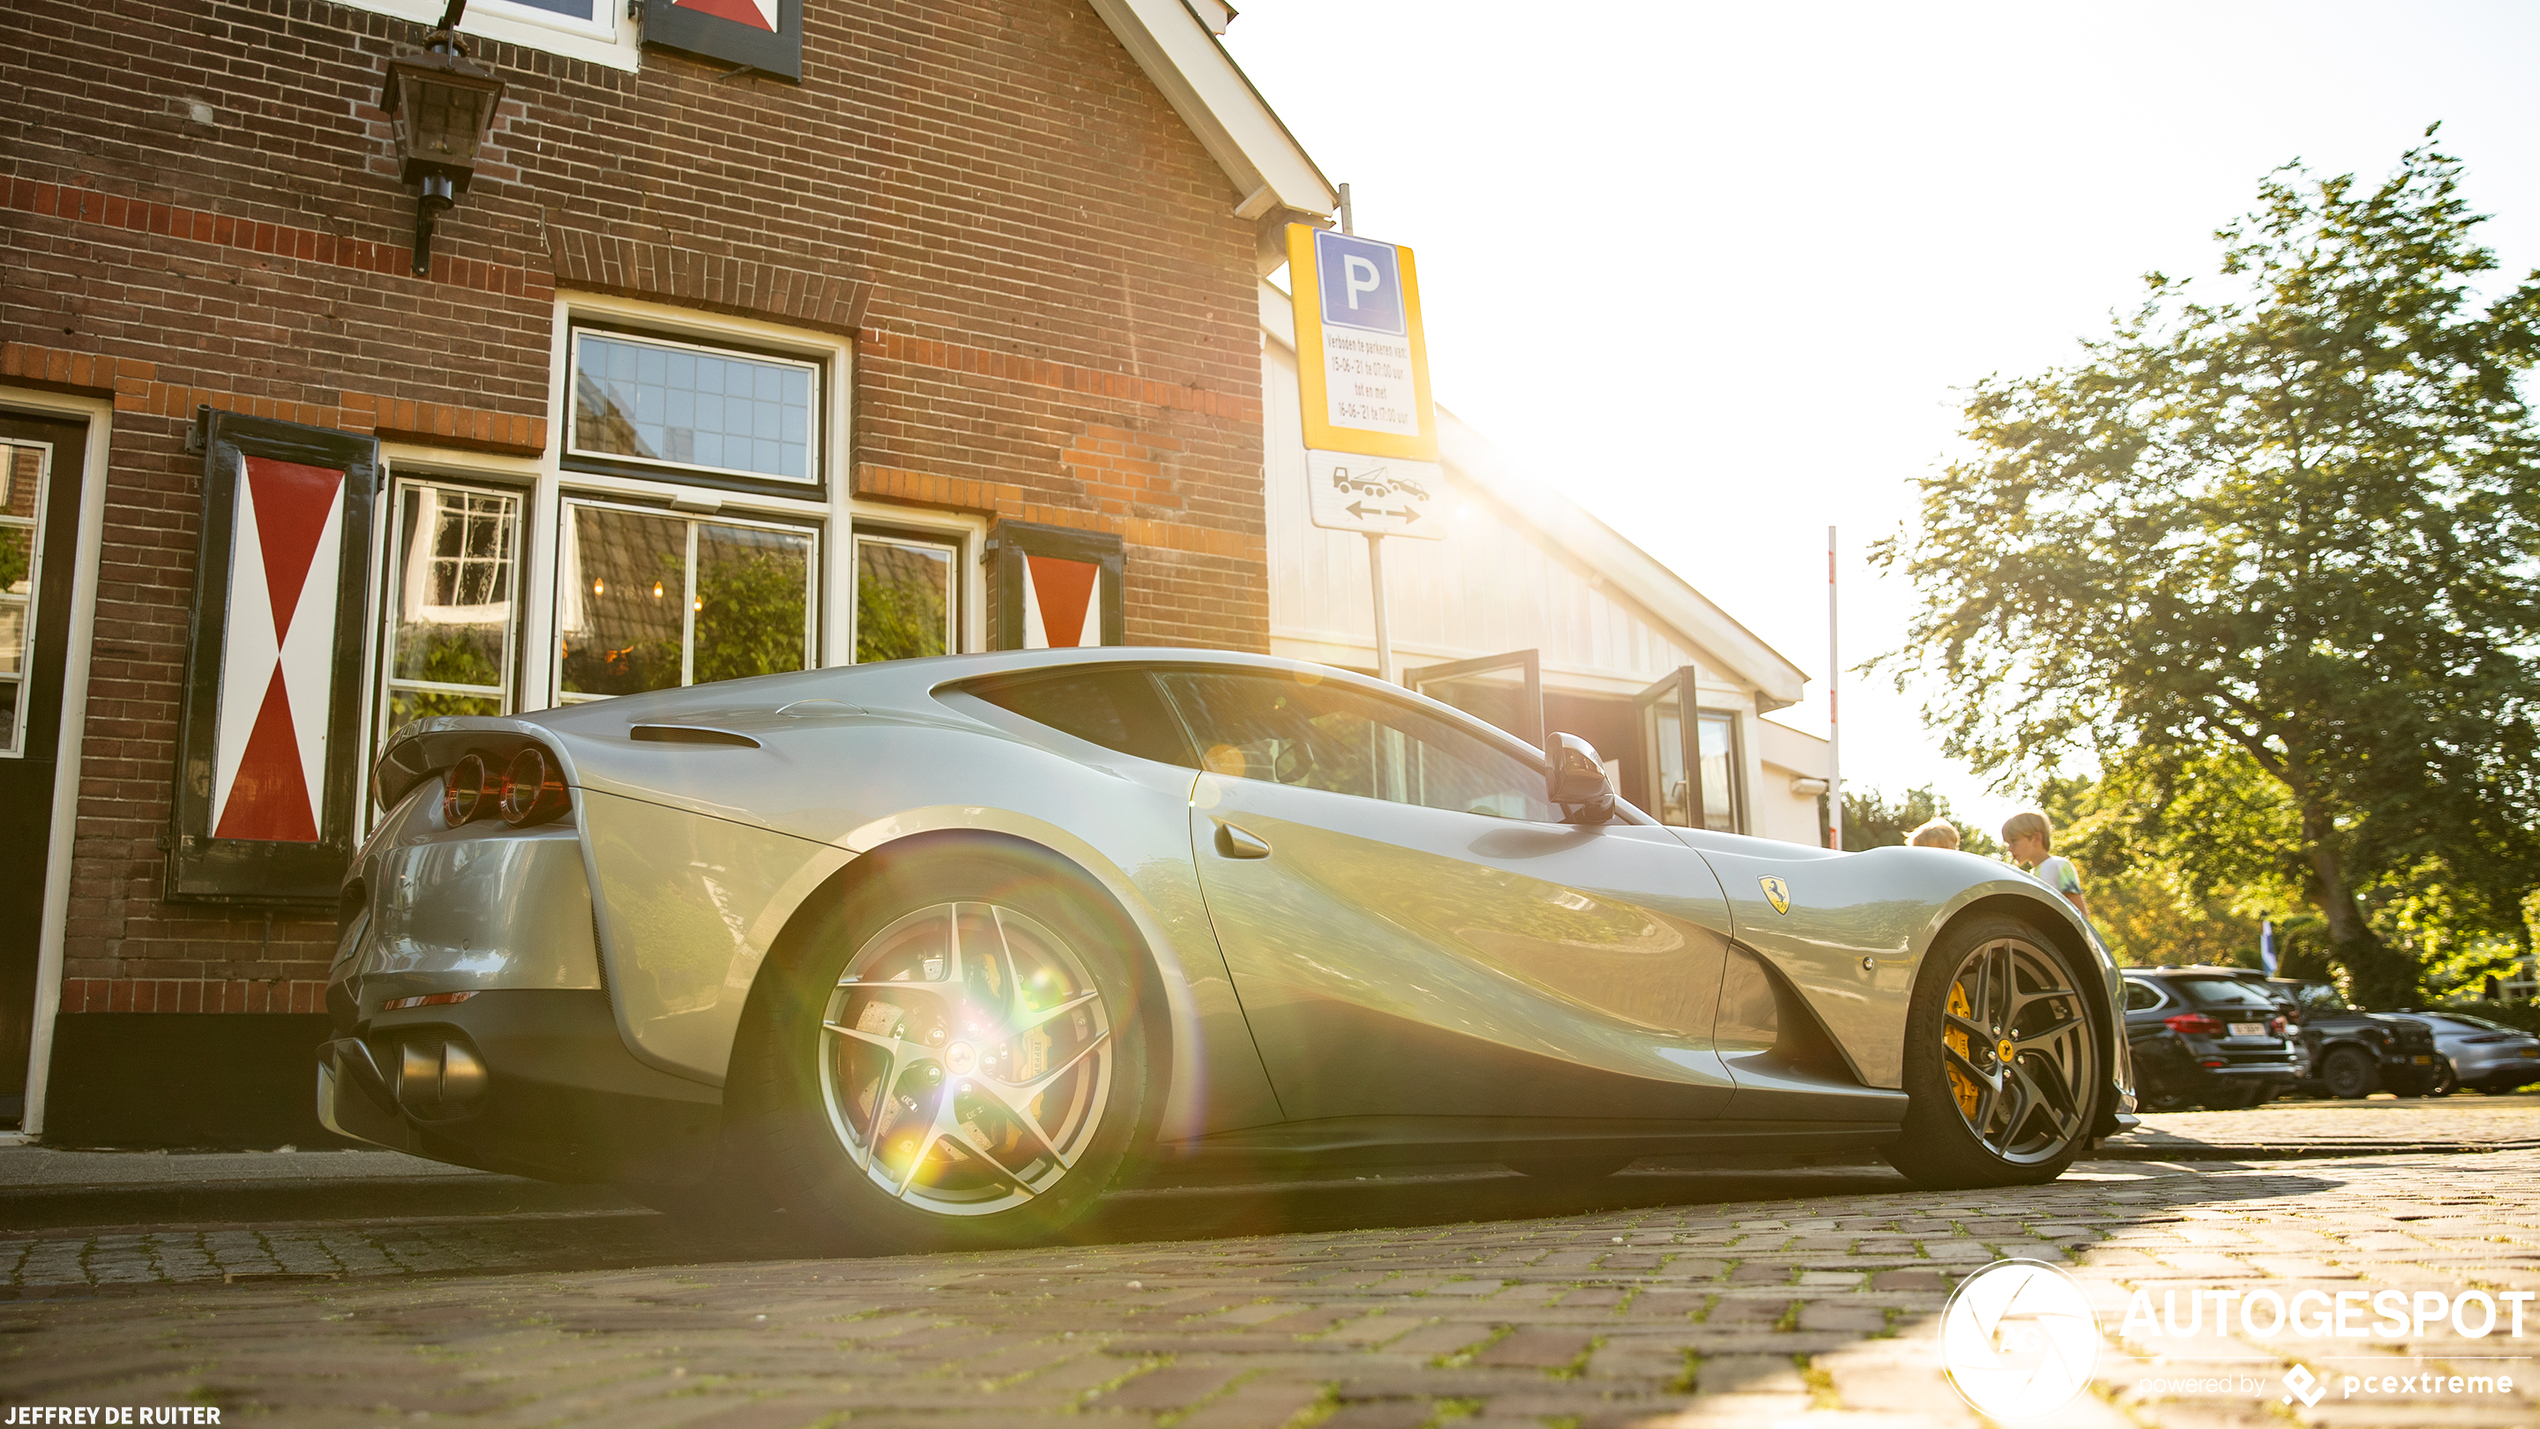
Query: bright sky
(1719, 270)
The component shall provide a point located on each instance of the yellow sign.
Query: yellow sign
(1776, 893)
(1362, 362)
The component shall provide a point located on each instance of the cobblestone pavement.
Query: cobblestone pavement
(1790, 1298)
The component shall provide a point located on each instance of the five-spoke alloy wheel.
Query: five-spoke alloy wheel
(2003, 1064)
(964, 1058)
(956, 1058)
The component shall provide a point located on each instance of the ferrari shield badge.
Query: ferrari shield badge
(1776, 893)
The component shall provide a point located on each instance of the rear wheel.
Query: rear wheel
(2234, 1096)
(956, 1059)
(2349, 1073)
(2447, 1078)
(2002, 1067)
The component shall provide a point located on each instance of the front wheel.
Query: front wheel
(955, 1059)
(2349, 1074)
(2002, 1067)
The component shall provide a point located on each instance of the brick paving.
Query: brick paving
(1814, 1301)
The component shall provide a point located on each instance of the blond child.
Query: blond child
(1935, 833)
(2032, 837)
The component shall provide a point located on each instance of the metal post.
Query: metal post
(1346, 225)
(1834, 723)
(1376, 578)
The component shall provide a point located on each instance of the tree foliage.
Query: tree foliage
(1870, 821)
(2296, 530)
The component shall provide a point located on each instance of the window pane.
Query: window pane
(2223, 992)
(753, 602)
(1305, 732)
(17, 592)
(1117, 709)
(452, 605)
(408, 705)
(720, 411)
(903, 599)
(1664, 726)
(1719, 773)
(619, 588)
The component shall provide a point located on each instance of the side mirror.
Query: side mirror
(1578, 782)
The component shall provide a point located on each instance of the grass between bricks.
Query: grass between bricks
(1820, 1384)
(1460, 1358)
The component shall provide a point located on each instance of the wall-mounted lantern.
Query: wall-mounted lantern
(443, 104)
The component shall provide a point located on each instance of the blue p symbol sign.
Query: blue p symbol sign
(1358, 275)
(1361, 282)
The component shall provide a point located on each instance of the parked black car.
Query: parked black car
(2349, 1053)
(2203, 1037)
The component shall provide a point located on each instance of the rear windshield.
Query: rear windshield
(2222, 992)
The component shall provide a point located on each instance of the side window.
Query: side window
(2140, 996)
(1117, 709)
(1314, 735)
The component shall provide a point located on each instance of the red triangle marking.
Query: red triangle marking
(269, 799)
(1066, 589)
(738, 11)
(292, 502)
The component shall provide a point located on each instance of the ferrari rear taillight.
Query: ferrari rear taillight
(463, 790)
(533, 789)
(2195, 1024)
(529, 789)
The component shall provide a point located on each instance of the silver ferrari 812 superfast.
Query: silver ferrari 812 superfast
(933, 952)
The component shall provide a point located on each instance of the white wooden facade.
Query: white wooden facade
(1523, 568)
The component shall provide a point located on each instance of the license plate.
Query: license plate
(2248, 1029)
(2425, 1061)
(2527, 1051)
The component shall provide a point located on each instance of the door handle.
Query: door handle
(1233, 842)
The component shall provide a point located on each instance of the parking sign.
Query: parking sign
(1362, 363)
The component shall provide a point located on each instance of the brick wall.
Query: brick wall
(1051, 302)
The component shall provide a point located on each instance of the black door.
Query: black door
(39, 525)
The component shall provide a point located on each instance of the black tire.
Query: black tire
(2001, 980)
(1065, 1005)
(2349, 1073)
(2234, 1096)
(2447, 1078)
(1569, 1168)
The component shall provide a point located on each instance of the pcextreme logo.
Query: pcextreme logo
(2018, 1339)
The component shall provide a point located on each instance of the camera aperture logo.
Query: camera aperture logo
(2019, 1339)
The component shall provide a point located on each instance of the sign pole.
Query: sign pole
(1376, 577)
(1834, 724)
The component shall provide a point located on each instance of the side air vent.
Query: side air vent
(689, 734)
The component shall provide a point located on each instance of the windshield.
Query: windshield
(2223, 992)
(2481, 1023)
(2321, 997)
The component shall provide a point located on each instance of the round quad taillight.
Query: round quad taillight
(533, 788)
(464, 794)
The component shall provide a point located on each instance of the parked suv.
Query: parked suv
(2347, 1053)
(2203, 1037)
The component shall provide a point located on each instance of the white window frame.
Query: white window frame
(816, 441)
(402, 478)
(15, 747)
(906, 533)
(559, 697)
(611, 37)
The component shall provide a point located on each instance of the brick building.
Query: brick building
(713, 371)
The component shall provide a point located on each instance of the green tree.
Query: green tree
(2299, 526)
(1870, 821)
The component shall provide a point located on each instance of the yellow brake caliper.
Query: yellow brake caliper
(1964, 1090)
